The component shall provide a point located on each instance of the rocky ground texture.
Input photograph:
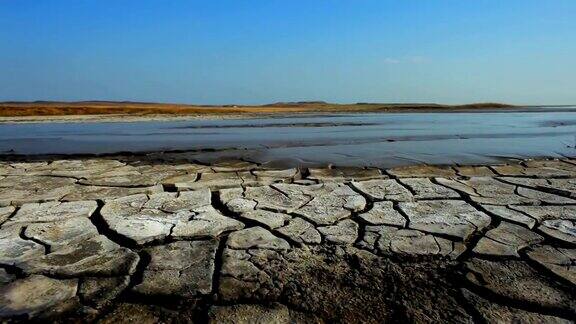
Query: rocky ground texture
(114, 240)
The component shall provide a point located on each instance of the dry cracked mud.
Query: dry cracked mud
(113, 240)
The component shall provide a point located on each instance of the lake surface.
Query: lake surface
(382, 140)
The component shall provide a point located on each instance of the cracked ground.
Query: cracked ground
(114, 240)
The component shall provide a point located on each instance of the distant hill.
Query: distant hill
(297, 103)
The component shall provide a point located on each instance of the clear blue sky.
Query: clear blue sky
(261, 51)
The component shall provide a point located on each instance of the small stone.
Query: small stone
(494, 192)
(133, 176)
(240, 205)
(75, 246)
(383, 213)
(14, 250)
(544, 196)
(183, 269)
(144, 227)
(237, 264)
(124, 205)
(76, 168)
(206, 223)
(392, 241)
(18, 190)
(408, 242)
(496, 313)
(181, 180)
(189, 168)
(561, 229)
(131, 313)
(36, 295)
(322, 204)
(5, 277)
(474, 171)
(542, 213)
(52, 211)
(486, 190)
(280, 197)
(269, 219)
(511, 215)
(306, 182)
(5, 213)
(20, 168)
(241, 275)
(370, 238)
(551, 166)
(423, 171)
(286, 173)
(560, 261)
(189, 214)
(63, 233)
(96, 256)
(267, 177)
(212, 181)
(510, 170)
(384, 190)
(100, 292)
(331, 203)
(344, 232)
(458, 186)
(233, 166)
(184, 201)
(263, 257)
(541, 168)
(248, 313)
(301, 231)
(565, 187)
(341, 174)
(423, 188)
(528, 182)
(256, 237)
(518, 281)
(250, 180)
(232, 289)
(506, 240)
(225, 195)
(83, 192)
(234, 200)
(450, 217)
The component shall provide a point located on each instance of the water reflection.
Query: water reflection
(346, 139)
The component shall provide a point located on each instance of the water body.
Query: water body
(382, 140)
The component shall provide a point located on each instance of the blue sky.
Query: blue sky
(261, 51)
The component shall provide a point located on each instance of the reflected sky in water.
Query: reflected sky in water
(343, 139)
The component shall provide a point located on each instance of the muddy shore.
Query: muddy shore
(134, 238)
(276, 113)
(110, 111)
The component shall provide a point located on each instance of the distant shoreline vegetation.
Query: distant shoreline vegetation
(54, 108)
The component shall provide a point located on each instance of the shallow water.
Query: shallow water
(343, 139)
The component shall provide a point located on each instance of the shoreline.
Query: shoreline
(134, 117)
(215, 156)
